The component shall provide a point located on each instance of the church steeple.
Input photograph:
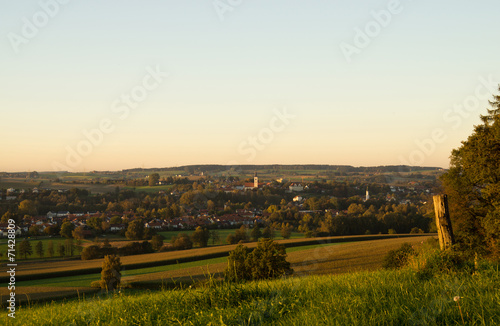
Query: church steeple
(367, 194)
(255, 180)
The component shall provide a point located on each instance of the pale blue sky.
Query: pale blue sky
(226, 79)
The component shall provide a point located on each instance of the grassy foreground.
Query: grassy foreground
(364, 298)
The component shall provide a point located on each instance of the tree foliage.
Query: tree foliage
(25, 248)
(200, 236)
(39, 249)
(67, 229)
(473, 186)
(110, 274)
(266, 261)
(135, 230)
(181, 241)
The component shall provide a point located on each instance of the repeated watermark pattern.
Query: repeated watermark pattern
(122, 106)
(222, 7)
(363, 36)
(32, 26)
(453, 118)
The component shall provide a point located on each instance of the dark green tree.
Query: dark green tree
(267, 260)
(181, 242)
(200, 237)
(110, 274)
(39, 249)
(286, 231)
(268, 232)
(153, 179)
(237, 264)
(67, 229)
(50, 248)
(70, 247)
(473, 186)
(256, 233)
(25, 248)
(135, 230)
(157, 242)
(61, 249)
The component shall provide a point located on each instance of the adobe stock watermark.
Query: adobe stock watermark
(224, 6)
(122, 107)
(31, 27)
(364, 36)
(453, 117)
(253, 144)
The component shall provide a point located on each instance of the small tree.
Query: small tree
(214, 234)
(267, 260)
(78, 233)
(67, 229)
(50, 248)
(70, 247)
(200, 236)
(268, 232)
(110, 274)
(153, 179)
(61, 249)
(256, 233)
(182, 241)
(39, 249)
(286, 231)
(135, 230)
(241, 234)
(25, 249)
(157, 242)
(237, 268)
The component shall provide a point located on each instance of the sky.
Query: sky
(111, 85)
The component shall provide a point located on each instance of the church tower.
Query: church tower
(367, 198)
(255, 180)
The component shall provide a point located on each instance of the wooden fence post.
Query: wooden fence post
(443, 222)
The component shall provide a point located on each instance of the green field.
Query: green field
(33, 241)
(85, 280)
(365, 298)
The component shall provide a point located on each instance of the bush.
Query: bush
(267, 260)
(445, 262)
(399, 257)
(392, 231)
(136, 248)
(416, 230)
(181, 242)
(110, 275)
(91, 252)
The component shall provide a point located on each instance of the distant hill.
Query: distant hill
(301, 167)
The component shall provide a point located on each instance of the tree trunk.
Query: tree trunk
(443, 221)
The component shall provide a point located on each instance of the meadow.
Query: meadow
(306, 259)
(363, 298)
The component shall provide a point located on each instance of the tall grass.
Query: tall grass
(367, 298)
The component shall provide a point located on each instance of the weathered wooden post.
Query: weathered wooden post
(443, 221)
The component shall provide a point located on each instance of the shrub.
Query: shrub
(267, 260)
(182, 241)
(392, 231)
(110, 275)
(445, 262)
(91, 252)
(399, 257)
(157, 242)
(416, 230)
